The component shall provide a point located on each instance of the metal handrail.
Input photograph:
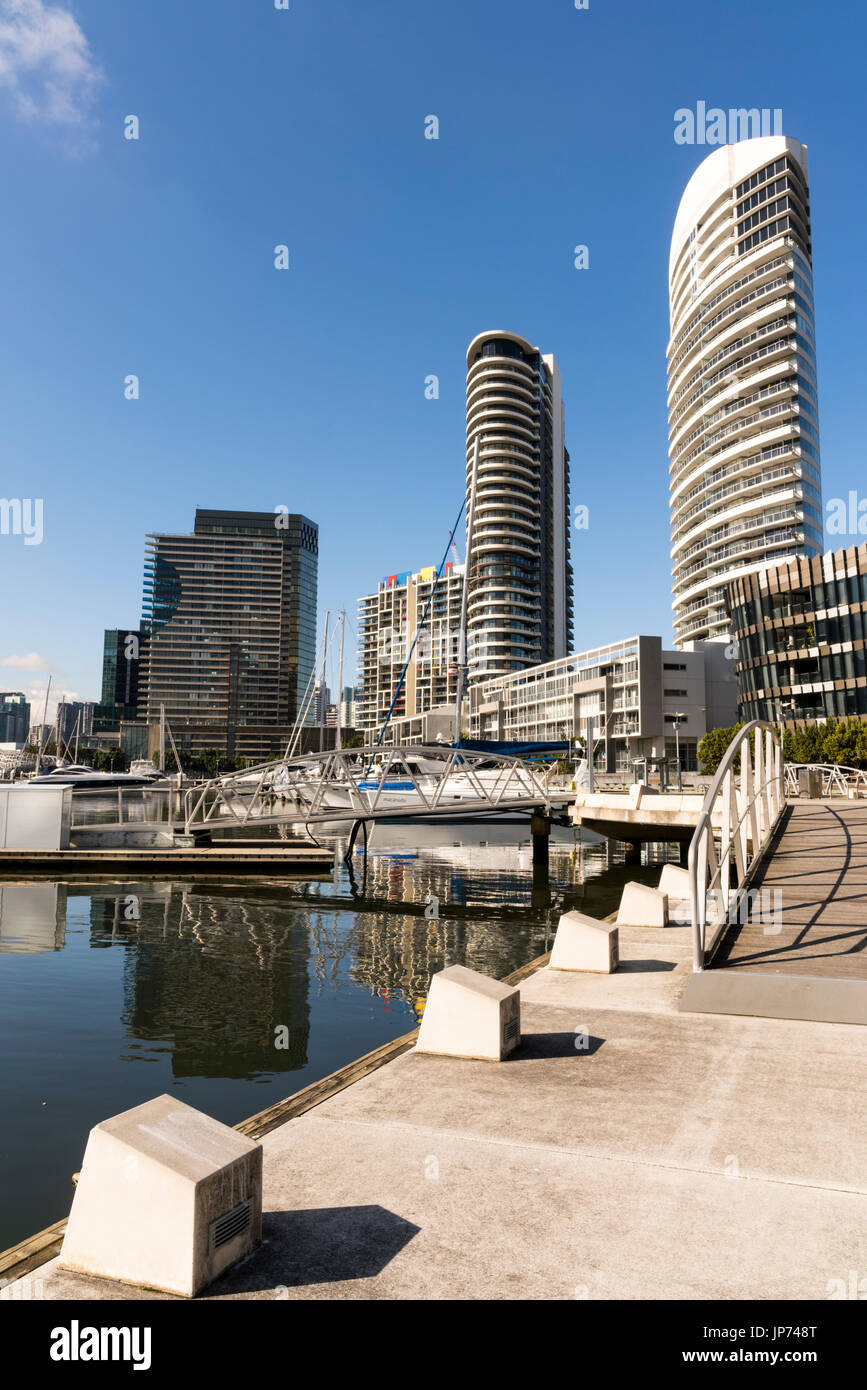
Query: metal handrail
(749, 817)
(834, 775)
(514, 782)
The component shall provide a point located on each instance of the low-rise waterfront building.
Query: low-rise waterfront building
(799, 637)
(638, 700)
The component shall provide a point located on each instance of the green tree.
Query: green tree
(807, 743)
(844, 743)
(713, 747)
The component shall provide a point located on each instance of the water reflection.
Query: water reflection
(238, 993)
(32, 918)
(218, 975)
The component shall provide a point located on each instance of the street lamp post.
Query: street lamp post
(677, 722)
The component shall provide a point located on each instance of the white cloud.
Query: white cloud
(31, 662)
(35, 694)
(46, 63)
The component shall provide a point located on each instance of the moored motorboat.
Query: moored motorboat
(82, 778)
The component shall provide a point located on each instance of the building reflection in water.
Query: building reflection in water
(219, 975)
(32, 918)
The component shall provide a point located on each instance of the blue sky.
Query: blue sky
(306, 387)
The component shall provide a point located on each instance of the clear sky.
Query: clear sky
(306, 387)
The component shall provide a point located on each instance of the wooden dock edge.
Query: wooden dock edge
(37, 1250)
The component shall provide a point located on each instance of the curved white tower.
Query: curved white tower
(519, 578)
(743, 412)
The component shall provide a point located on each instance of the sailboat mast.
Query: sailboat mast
(322, 685)
(42, 730)
(462, 636)
(338, 737)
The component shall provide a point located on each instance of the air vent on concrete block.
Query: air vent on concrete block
(233, 1223)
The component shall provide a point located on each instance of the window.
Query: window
(676, 694)
(674, 666)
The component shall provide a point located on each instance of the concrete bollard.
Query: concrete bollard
(641, 906)
(674, 882)
(583, 943)
(167, 1197)
(470, 1015)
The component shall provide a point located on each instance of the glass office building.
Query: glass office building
(121, 661)
(229, 617)
(800, 634)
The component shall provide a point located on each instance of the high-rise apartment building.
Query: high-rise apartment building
(520, 575)
(388, 620)
(74, 720)
(14, 717)
(229, 616)
(742, 397)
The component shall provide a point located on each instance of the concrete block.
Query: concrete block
(35, 817)
(167, 1198)
(641, 906)
(674, 882)
(469, 1015)
(583, 943)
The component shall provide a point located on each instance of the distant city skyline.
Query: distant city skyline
(154, 359)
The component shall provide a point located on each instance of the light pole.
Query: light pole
(677, 722)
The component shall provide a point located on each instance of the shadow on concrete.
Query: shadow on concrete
(325, 1245)
(539, 1045)
(644, 967)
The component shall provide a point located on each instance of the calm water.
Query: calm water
(111, 993)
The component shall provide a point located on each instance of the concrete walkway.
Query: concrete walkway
(676, 1156)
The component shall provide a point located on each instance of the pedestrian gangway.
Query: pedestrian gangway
(778, 890)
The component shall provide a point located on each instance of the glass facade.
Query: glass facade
(14, 717)
(121, 661)
(800, 633)
(229, 620)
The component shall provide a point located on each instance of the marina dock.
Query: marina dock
(229, 858)
(625, 1150)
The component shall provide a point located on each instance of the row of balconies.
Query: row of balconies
(741, 548)
(754, 523)
(706, 394)
(745, 428)
(761, 272)
(742, 466)
(714, 348)
(707, 326)
(777, 326)
(776, 388)
(713, 518)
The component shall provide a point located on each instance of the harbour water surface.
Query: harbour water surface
(233, 995)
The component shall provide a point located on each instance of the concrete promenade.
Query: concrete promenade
(677, 1156)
